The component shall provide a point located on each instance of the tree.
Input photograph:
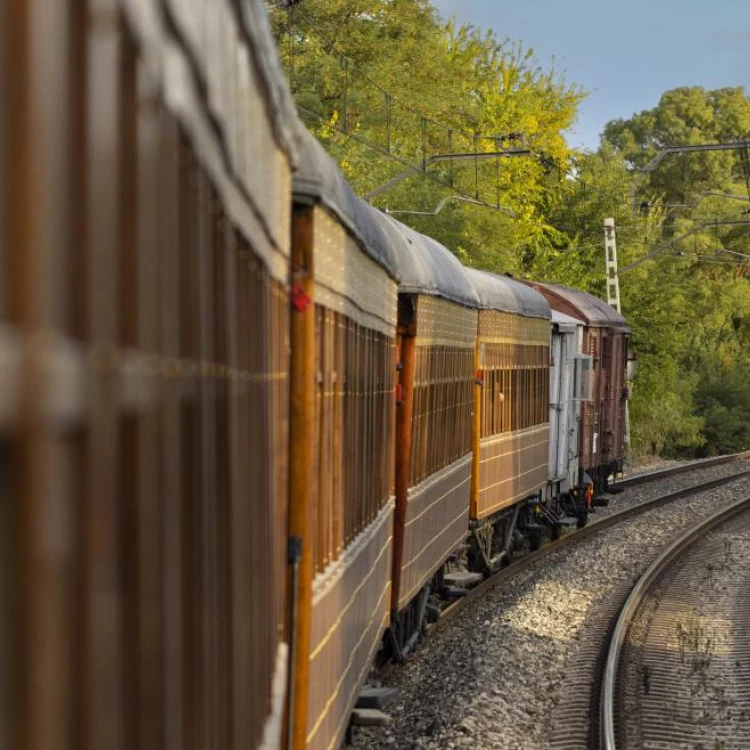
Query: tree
(393, 74)
(690, 306)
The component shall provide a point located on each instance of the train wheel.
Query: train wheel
(535, 539)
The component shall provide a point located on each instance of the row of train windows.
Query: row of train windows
(442, 405)
(514, 399)
(354, 425)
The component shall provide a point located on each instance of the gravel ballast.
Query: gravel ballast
(493, 676)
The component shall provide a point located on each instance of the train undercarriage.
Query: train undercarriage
(490, 544)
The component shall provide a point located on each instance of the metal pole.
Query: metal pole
(613, 299)
(610, 251)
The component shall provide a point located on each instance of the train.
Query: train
(251, 427)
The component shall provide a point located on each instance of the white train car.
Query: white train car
(569, 386)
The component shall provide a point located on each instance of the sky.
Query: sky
(624, 54)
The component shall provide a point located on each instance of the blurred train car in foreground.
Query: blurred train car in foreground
(145, 160)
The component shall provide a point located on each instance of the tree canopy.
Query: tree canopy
(400, 81)
(690, 304)
(386, 84)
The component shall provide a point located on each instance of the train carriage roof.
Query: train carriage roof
(318, 179)
(427, 267)
(263, 47)
(579, 304)
(565, 323)
(503, 293)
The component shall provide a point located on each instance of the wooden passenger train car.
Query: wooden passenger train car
(343, 336)
(437, 324)
(606, 339)
(511, 412)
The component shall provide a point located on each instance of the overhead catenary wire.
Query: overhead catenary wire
(430, 175)
(670, 243)
(452, 132)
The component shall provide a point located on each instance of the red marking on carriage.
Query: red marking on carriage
(300, 300)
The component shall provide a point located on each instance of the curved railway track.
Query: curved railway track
(676, 673)
(485, 670)
(597, 526)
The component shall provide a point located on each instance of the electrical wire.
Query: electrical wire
(430, 175)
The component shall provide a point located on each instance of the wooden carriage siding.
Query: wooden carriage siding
(351, 603)
(344, 451)
(143, 559)
(433, 493)
(512, 466)
(513, 408)
(443, 386)
(436, 521)
(355, 303)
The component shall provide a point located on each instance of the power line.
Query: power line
(390, 99)
(430, 175)
(352, 66)
(670, 243)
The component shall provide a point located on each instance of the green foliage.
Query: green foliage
(446, 85)
(724, 400)
(689, 306)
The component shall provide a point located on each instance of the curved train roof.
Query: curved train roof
(503, 293)
(318, 179)
(559, 317)
(427, 267)
(592, 310)
(257, 26)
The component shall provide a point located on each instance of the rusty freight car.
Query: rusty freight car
(603, 384)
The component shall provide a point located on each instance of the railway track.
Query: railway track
(596, 526)
(517, 669)
(671, 471)
(676, 673)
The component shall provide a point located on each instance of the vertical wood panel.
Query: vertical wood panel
(150, 685)
(103, 674)
(170, 430)
(302, 476)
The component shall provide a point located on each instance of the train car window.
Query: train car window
(583, 374)
(351, 425)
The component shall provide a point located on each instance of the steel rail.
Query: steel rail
(504, 574)
(672, 470)
(633, 603)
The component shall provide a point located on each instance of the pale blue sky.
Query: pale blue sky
(624, 54)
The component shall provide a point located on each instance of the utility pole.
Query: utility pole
(610, 251)
(613, 299)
